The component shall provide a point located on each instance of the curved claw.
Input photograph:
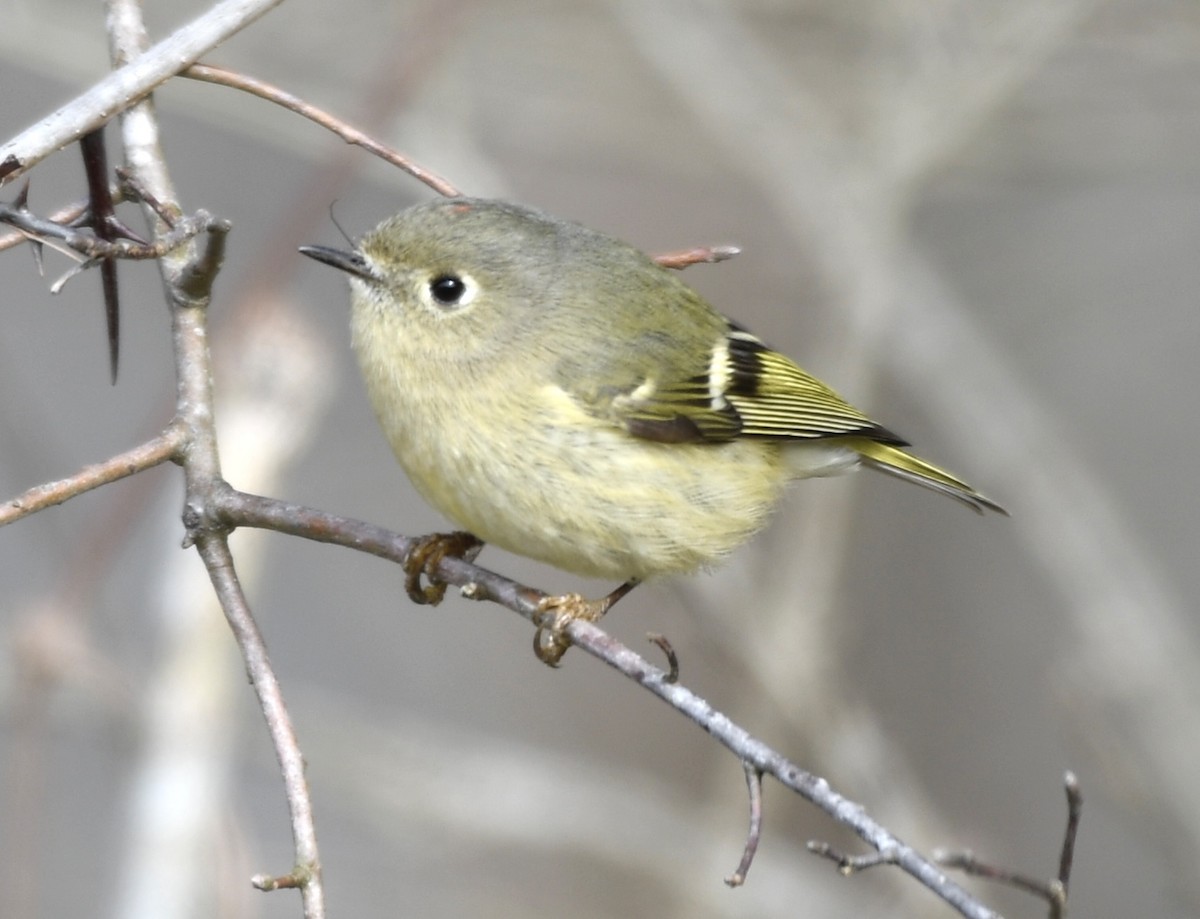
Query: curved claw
(424, 558)
(550, 641)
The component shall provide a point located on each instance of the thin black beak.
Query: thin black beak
(349, 262)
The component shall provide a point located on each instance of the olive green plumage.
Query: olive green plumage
(554, 391)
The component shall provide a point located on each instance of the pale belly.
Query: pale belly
(598, 503)
(595, 501)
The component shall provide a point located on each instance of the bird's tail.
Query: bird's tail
(902, 464)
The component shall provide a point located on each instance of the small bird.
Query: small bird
(554, 391)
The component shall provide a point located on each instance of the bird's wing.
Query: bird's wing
(737, 387)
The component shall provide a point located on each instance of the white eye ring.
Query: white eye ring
(449, 291)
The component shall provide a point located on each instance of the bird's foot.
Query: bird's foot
(423, 560)
(550, 641)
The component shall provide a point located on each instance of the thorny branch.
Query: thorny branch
(127, 84)
(93, 249)
(65, 216)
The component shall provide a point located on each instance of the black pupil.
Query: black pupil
(447, 289)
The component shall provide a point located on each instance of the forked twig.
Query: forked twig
(1053, 891)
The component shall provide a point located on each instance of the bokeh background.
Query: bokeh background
(978, 220)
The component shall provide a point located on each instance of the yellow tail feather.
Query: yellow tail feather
(903, 465)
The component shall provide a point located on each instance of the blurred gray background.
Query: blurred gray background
(979, 221)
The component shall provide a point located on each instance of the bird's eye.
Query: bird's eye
(449, 290)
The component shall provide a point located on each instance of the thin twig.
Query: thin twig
(66, 216)
(214, 550)
(672, 659)
(269, 882)
(754, 787)
(153, 452)
(1074, 810)
(222, 77)
(969, 863)
(135, 190)
(696, 256)
(851, 864)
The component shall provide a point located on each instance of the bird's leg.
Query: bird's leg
(427, 554)
(550, 641)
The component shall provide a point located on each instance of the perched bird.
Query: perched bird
(556, 392)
